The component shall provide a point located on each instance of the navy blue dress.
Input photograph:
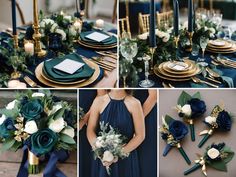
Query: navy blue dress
(86, 98)
(118, 116)
(147, 151)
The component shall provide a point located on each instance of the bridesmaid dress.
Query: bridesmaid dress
(147, 151)
(86, 98)
(117, 115)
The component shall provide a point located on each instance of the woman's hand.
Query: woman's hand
(108, 164)
(84, 120)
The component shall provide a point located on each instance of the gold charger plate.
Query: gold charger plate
(168, 78)
(192, 66)
(102, 47)
(232, 50)
(163, 72)
(93, 78)
(227, 45)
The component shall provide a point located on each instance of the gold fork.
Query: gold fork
(31, 82)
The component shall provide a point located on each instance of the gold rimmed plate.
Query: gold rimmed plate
(101, 47)
(163, 72)
(92, 79)
(178, 66)
(158, 74)
(191, 68)
(217, 42)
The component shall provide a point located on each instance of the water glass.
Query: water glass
(195, 50)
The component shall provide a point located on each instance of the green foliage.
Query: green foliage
(168, 119)
(185, 97)
(8, 143)
(67, 139)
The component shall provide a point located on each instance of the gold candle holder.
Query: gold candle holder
(176, 39)
(37, 36)
(15, 38)
(152, 51)
(190, 37)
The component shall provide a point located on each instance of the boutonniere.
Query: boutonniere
(173, 131)
(218, 120)
(216, 156)
(190, 108)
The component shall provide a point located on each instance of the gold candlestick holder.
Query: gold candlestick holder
(176, 39)
(39, 52)
(15, 38)
(152, 51)
(190, 37)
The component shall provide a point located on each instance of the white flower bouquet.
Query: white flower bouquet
(108, 146)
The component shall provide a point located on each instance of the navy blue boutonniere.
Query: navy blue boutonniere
(218, 120)
(173, 131)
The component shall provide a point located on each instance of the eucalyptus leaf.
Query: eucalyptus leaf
(9, 113)
(230, 154)
(184, 98)
(59, 113)
(16, 146)
(7, 144)
(197, 95)
(219, 165)
(168, 119)
(67, 139)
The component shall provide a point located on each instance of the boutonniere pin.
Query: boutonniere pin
(216, 156)
(173, 131)
(218, 120)
(190, 108)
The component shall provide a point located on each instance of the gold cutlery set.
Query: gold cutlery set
(223, 62)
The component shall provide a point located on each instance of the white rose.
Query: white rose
(143, 36)
(42, 24)
(99, 143)
(107, 156)
(2, 119)
(68, 17)
(49, 21)
(37, 94)
(11, 105)
(205, 28)
(72, 31)
(53, 28)
(166, 38)
(69, 131)
(210, 120)
(212, 30)
(63, 34)
(213, 153)
(186, 110)
(57, 125)
(55, 108)
(31, 127)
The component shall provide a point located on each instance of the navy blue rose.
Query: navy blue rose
(224, 121)
(24, 100)
(198, 107)
(178, 129)
(7, 127)
(69, 118)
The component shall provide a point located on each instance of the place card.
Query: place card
(178, 66)
(69, 66)
(98, 37)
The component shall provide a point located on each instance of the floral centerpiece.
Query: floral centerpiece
(216, 156)
(41, 125)
(190, 108)
(173, 131)
(109, 145)
(67, 26)
(218, 120)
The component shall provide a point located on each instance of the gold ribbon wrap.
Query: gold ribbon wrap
(202, 162)
(33, 159)
(204, 132)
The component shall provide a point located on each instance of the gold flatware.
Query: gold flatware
(104, 66)
(104, 59)
(213, 80)
(171, 86)
(212, 73)
(197, 80)
(165, 85)
(31, 82)
(108, 55)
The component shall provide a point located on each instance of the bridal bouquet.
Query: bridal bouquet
(109, 145)
(216, 156)
(218, 120)
(190, 108)
(173, 131)
(43, 126)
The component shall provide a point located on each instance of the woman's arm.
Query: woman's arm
(150, 102)
(85, 119)
(93, 121)
(138, 120)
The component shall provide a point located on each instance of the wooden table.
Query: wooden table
(10, 161)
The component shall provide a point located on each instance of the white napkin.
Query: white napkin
(69, 66)
(96, 36)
